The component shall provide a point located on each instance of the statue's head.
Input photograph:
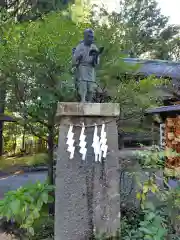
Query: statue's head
(88, 37)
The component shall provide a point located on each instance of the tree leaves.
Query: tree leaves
(24, 205)
(145, 29)
(15, 206)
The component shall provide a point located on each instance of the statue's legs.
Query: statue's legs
(86, 82)
(76, 84)
(82, 89)
(90, 91)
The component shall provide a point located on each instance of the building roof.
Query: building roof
(159, 68)
(164, 109)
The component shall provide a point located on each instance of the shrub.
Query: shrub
(24, 206)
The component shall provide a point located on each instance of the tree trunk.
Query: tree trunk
(50, 143)
(50, 154)
(23, 139)
(1, 138)
(2, 106)
(23, 146)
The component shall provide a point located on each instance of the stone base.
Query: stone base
(87, 109)
(87, 193)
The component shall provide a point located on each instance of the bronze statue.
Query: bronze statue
(85, 60)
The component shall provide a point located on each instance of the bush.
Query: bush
(160, 205)
(33, 160)
(25, 210)
(24, 206)
(43, 227)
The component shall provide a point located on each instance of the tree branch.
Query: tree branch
(35, 134)
(23, 106)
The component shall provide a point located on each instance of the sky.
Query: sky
(169, 8)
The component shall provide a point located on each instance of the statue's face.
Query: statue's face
(88, 37)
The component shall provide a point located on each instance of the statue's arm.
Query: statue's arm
(77, 56)
(95, 56)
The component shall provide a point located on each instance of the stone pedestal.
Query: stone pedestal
(87, 192)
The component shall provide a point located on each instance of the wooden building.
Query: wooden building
(171, 95)
(169, 123)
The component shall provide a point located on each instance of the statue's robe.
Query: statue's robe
(85, 71)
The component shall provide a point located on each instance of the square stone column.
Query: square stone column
(87, 192)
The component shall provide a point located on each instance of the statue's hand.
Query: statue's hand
(73, 69)
(93, 52)
(79, 58)
(94, 60)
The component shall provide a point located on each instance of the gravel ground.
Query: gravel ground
(5, 237)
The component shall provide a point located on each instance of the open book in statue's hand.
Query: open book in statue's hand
(101, 49)
(94, 52)
(95, 55)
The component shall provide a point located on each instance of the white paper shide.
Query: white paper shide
(103, 143)
(82, 143)
(70, 142)
(100, 144)
(96, 144)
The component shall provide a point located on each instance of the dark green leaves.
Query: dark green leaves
(24, 205)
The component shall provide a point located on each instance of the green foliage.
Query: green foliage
(153, 158)
(150, 224)
(168, 47)
(8, 163)
(36, 69)
(139, 28)
(167, 197)
(151, 220)
(145, 29)
(36, 159)
(135, 97)
(153, 226)
(37, 61)
(24, 205)
(174, 48)
(40, 69)
(43, 227)
(80, 13)
(135, 94)
(146, 225)
(31, 10)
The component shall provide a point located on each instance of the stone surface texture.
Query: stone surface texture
(87, 193)
(87, 109)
